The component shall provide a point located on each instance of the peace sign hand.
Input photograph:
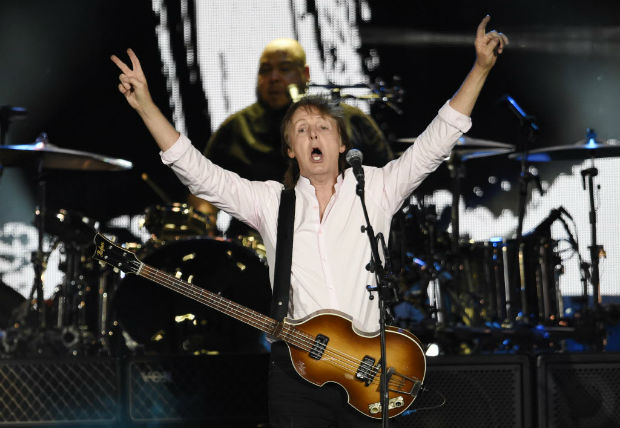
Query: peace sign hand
(488, 45)
(133, 82)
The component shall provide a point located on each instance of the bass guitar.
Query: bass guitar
(324, 346)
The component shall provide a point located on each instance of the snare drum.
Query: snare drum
(161, 320)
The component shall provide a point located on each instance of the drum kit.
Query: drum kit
(503, 283)
(98, 310)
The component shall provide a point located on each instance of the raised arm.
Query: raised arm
(136, 91)
(488, 46)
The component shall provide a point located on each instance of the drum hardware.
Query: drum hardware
(527, 136)
(588, 148)
(158, 190)
(466, 148)
(153, 319)
(176, 220)
(71, 229)
(379, 92)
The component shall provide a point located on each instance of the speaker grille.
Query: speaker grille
(477, 395)
(215, 388)
(58, 391)
(574, 392)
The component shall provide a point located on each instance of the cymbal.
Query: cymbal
(469, 148)
(582, 149)
(54, 157)
(467, 143)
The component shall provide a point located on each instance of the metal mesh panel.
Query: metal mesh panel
(58, 391)
(580, 394)
(489, 395)
(216, 388)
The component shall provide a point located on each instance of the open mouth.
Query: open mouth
(316, 154)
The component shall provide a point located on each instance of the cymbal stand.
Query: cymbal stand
(595, 249)
(455, 166)
(435, 297)
(39, 257)
(529, 130)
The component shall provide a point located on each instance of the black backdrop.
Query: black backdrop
(55, 62)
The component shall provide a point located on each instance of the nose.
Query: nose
(312, 133)
(274, 75)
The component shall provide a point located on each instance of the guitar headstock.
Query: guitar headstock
(115, 256)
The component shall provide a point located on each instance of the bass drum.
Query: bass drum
(155, 319)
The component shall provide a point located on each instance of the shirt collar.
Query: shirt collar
(303, 183)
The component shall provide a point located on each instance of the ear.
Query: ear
(291, 153)
(342, 147)
(306, 74)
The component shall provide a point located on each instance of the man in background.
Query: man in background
(249, 143)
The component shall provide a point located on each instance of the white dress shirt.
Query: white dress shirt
(329, 254)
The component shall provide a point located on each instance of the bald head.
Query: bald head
(290, 46)
(283, 62)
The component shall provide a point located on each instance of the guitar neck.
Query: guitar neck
(214, 301)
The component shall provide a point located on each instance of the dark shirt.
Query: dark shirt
(249, 142)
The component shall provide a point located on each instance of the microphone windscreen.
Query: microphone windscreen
(353, 155)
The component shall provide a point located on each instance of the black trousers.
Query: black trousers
(294, 402)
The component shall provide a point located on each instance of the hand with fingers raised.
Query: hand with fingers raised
(136, 91)
(133, 82)
(488, 45)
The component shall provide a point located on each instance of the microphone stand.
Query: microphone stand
(383, 290)
(595, 248)
(530, 129)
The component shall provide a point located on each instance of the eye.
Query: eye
(264, 70)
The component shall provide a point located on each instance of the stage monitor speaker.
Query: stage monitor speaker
(219, 390)
(480, 391)
(578, 390)
(59, 392)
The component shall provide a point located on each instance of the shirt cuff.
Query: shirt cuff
(175, 152)
(455, 118)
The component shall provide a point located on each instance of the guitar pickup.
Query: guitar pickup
(318, 347)
(366, 372)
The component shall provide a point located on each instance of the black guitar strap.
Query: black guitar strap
(284, 255)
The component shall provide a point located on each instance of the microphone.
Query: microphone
(536, 178)
(293, 92)
(519, 112)
(554, 214)
(563, 211)
(354, 158)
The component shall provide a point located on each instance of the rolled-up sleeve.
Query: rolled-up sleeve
(403, 175)
(241, 198)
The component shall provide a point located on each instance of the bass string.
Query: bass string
(303, 341)
(297, 338)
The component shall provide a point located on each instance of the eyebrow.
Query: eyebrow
(286, 62)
